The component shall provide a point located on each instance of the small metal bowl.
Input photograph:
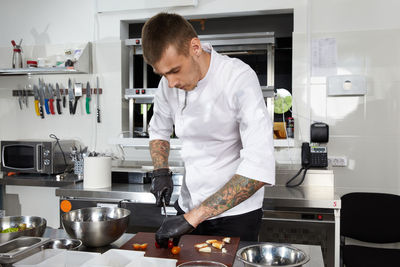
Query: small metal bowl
(269, 254)
(201, 263)
(70, 244)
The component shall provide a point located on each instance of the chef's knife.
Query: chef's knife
(46, 98)
(36, 95)
(71, 97)
(51, 99)
(58, 99)
(64, 98)
(88, 98)
(97, 100)
(41, 101)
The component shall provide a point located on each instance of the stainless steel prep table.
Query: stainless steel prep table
(313, 251)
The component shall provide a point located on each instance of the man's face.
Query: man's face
(182, 72)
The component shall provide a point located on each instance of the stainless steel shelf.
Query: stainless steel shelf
(37, 71)
(82, 66)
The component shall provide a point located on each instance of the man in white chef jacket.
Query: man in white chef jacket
(219, 113)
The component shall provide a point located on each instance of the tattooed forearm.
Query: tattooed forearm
(159, 151)
(237, 190)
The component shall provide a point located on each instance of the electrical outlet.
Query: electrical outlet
(337, 161)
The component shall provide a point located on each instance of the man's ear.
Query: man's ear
(195, 46)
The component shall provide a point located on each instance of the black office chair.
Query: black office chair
(372, 218)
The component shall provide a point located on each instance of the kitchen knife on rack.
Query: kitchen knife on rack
(58, 99)
(36, 96)
(71, 97)
(41, 102)
(97, 100)
(51, 93)
(46, 98)
(88, 98)
(78, 94)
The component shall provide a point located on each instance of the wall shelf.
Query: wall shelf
(82, 66)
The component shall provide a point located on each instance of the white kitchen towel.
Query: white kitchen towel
(97, 172)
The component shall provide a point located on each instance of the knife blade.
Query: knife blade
(58, 99)
(36, 96)
(164, 207)
(20, 99)
(51, 98)
(71, 97)
(88, 97)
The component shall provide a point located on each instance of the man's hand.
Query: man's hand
(162, 186)
(172, 227)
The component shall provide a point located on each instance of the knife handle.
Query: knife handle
(41, 111)
(75, 104)
(71, 107)
(58, 106)
(88, 105)
(37, 107)
(46, 105)
(52, 106)
(98, 115)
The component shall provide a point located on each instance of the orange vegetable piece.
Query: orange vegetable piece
(175, 250)
(136, 246)
(143, 246)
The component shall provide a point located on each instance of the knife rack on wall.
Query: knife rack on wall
(24, 92)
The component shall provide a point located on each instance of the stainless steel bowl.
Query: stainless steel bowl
(201, 263)
(64, 243)
(35, 226)
(96, 227)
(269, 254)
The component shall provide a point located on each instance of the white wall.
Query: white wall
(362, 128)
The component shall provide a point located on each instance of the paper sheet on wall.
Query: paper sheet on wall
(324, 57)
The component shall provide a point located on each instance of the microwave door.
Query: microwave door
(19, 157)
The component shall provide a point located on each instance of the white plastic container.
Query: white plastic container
(115, 258)
(69, 259)
(38, 258)
(152, 262)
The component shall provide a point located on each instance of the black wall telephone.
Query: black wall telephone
(313, 157)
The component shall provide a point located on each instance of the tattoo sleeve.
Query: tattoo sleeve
(159, 151)
(237, 190)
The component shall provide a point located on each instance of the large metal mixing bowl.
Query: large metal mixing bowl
(96, 227)
(270, 254)
(35, 226)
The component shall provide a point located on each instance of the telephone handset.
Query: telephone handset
(311, 157)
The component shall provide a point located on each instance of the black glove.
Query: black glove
(172, 227)
(162, 186)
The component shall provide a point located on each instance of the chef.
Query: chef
(216, 105)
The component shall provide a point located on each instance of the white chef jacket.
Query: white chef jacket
(224, 127)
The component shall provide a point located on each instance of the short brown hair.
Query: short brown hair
(163, 30)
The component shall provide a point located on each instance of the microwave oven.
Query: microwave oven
(36, 156)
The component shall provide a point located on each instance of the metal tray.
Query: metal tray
(19, 248)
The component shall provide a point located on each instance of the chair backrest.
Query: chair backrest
(371, 217)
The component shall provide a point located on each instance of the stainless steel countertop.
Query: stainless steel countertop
(314, 252)
(276, 196)
(137, 193)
